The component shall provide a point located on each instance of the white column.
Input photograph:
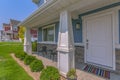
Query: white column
(27, 41)
(65, 43)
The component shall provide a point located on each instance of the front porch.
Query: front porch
(79, 55)
(81, 74)
(79, 63)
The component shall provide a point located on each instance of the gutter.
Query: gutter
(37, 12)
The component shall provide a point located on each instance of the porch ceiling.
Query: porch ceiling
(49, 11)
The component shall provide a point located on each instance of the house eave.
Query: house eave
(42, 7)
(49, 11)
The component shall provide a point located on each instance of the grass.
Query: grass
(9, 69)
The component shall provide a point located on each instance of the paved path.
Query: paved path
(87, 76)
(80, 74)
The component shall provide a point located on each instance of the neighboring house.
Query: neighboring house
(33, 35)
(82, 31)
(14, 29)
(10, 31)
(2, 35)
(1, 32)
(7, 32)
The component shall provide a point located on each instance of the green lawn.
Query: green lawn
(9, 69)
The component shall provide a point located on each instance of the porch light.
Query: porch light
(77, 25)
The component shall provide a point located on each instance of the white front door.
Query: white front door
(99, 40)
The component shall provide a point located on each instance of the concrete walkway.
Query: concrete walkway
(81, 75)
(46, 61)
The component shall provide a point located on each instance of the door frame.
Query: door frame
(101, 13)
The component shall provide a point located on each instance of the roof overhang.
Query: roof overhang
(49, 12)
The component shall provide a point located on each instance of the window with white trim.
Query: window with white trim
(48, 33)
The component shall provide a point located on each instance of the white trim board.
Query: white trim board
(76, 44)
(105, 12)
(79, 44)
(52, 25)
(47, 42)
(115, 10)
(117, 46)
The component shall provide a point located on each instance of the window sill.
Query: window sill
(48, 42)
(79, 44)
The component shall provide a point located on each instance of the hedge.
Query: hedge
(29, 59)
(50, 73)
(21, 55)
(36, 66)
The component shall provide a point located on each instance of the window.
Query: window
(14, 28)
(48, 33)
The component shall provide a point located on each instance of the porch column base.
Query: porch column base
(65, 61)
(28, 49)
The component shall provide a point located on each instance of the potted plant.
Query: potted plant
(71, 75)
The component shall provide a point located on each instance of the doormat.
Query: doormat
(97, 71)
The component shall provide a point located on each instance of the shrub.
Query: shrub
(29, 59)
(17, 54)
(20, 55)
(36, 66)
(50, 73)
(34, 46)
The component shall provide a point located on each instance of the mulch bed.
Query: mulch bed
(34, 75)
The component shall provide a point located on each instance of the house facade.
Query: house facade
(33, 35)
(82, 31)
(14, 28)
(1, 37)
(7, 32)
(10, 31)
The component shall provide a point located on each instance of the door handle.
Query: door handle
(87, 43)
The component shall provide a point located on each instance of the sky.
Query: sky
(15, 9)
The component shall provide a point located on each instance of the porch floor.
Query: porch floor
(82, 75)
(46, 60)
